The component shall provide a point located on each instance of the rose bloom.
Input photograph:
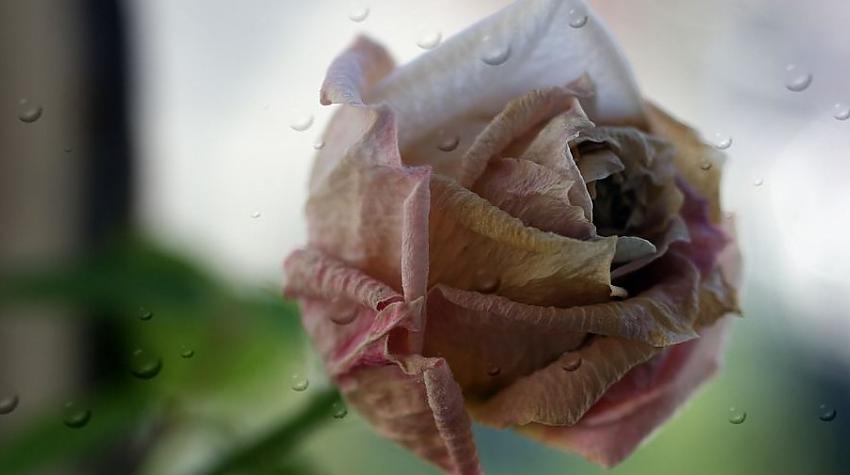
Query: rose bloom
(504, 230)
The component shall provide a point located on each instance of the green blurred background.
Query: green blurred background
(150, 205)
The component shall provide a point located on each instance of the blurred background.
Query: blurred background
(152, 180)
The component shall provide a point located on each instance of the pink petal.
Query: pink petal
(555, 396)
(350, 75)
(609, 438)
(420, 406)
(535, 194)
(521, 116)
(451, 84)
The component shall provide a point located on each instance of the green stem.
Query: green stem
(271, 446)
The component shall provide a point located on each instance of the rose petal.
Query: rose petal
(550, 148)
(420, 407)
(410, 399)
(520, 117)
(451, 84)
(650, 174)
(326, 288)
(352, 73)
(598, 164)
(489, 343)
(630, 248)
(662, 315)
(311, 273)
(699, 163)
(609, 440)
(364, 211)
(535, 194)
(706, 240)
(556, 396)
(475, 245)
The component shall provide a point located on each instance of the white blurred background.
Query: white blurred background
(223, 175)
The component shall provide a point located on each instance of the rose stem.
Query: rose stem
(281, 438)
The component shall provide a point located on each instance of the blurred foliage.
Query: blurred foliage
(244, 344)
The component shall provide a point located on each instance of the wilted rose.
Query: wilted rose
(527, 242)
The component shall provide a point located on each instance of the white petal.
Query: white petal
(453, 84)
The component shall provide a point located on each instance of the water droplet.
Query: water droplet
(796, 78)
(571, 361)
(429, 39)
(494, 52)
(578, 18)
(256, 214)
(344, 316)
(736, 416)
(68, 150)
(28, 112)
(143, 365)
(299, 383)
(301, 122)
(358, 13)
(758, 182)
(493, 370)
(187, 352)
(319, 144)
(145, 314)
(75, 416)
(487, 285)
(827, 414)
(8, 403)
(339, 410)
(705, 165)
(449, 143)
(721, 141)
(841, 111)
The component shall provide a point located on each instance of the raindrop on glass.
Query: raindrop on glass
(29, 113)
(187, 352)
(299, 383)
(827, 414)
(145, 314)
(429, 39)
(487, 285)
(68, 150)
(736, 416)
(8, 403)
(358, 13)
(494, 52)
(344, 316)
(76, 417)
(256, 214)
(796, 78)
(841, 111)
(301, 122)
(143, 365)
(758, 182)
(339, 410)
(449, 143)
(571, 362)
(705, 165)
(493, 370)
(319, 144)
(721, 141)
(578, 18)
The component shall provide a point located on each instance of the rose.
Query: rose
(479, 246)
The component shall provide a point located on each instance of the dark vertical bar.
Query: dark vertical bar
(108, 195)
(109, 187)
